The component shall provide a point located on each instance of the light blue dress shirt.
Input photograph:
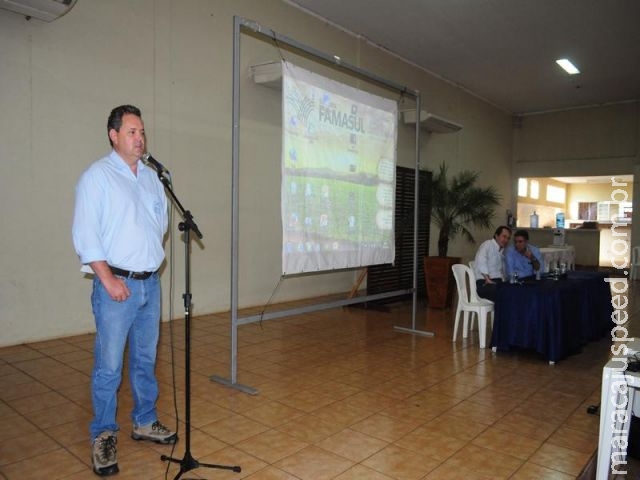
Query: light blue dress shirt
(517, 262)
(120, 217)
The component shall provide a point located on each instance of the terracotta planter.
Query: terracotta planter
(439, 280)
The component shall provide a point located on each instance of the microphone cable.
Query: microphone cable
(171, 267)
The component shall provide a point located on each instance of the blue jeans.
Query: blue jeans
(137, 320)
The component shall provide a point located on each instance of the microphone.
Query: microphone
(148, 159)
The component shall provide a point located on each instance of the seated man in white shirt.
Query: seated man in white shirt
(489, 262)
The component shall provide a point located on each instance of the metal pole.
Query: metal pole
(235, 219)
(235, 195)
(416, 213)
(334, 59)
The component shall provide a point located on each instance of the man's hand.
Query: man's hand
(115, 286)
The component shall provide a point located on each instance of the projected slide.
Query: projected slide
(338, 174)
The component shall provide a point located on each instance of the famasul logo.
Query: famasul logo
(302, 107)
(329, 113)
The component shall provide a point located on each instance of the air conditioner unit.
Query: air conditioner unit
(45, 10)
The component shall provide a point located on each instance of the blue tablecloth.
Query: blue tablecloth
(554, 317)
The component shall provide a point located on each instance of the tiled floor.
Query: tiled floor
(342, 395)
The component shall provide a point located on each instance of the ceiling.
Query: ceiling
(596, 180)
(504, 51)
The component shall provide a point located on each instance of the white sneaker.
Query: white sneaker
(103, 455)
(155, 432)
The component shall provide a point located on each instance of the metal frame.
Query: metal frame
(267, 33)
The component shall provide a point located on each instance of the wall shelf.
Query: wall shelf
(431, 122)
(268, 74)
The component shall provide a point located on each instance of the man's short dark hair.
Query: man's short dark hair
(115, 118)
(522, 233)
(500, 229)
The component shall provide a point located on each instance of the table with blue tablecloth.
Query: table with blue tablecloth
(553, 317)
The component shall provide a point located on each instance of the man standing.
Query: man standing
(489, 262)
(119, 222)
(522, 257)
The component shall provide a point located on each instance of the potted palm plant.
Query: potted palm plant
(457, 203)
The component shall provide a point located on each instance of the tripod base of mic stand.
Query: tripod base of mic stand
(189, 463)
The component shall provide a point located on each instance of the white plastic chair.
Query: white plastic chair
(635, 263)
(472, 266)
(469, 303)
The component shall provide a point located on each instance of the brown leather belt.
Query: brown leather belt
(128, 274)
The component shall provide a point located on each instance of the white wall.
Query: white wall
(580, 142)
(58, 82)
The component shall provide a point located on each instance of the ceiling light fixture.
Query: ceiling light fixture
(568, 67)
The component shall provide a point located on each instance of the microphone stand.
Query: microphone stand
(187, 225)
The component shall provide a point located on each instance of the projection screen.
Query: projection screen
(338, 174)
